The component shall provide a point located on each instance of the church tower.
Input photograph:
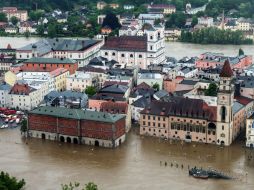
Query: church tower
(225, 101)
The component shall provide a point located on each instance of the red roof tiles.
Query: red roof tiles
(21, 89)
(127, 43)
(226, 70)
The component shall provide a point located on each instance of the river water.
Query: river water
(138, 164)
(173, 49)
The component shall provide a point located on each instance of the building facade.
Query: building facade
(77, 126)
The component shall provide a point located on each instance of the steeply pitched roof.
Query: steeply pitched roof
(183, 107)
(226, 70)
(21, 89)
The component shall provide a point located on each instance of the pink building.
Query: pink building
(213, 60)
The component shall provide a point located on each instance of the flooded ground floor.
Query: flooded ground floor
(140, 163)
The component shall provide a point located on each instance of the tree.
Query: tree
(212, 90)
(112, 21)
(241, 52)
(194, 21)
(75, 186)
(156, 87)
(3, 17)
(23, 127)
(14, 20)
(52, 30)
(90, 91)
(10, 183)
(40, 30)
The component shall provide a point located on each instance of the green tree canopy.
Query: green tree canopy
(112, 21)
(10, 183)
(76, 186)
(3, 17)
(90, 91)
(241, 52)
(156, 87)
(212, 90)
(14, 20)
(23, 127)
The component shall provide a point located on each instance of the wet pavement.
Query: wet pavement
(140, 163)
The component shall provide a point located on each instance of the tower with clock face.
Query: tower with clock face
(225, 101)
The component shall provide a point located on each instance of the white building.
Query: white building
(250, 131)
(24, 97)
(128, 7)
(150, 79)
(80, 81)
(4, 91)
(128, 31)
(80, 50)
(149, 18)
(205, 21)
(243, 24)
(137, 51)
(10, 12)
(187, 72)
(11, 30)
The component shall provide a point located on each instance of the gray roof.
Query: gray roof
(115, 88)
(59, 44)
(161, 93)
(5, 86)
(189, 82)
(141, 102)
(77, 114)
(237, 107)
(49, 60)
(66, 94)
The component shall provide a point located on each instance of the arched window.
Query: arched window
(106, 53)
(113, 53)
(140, 56)
(122, 55)
(131, 55)
(223, 113)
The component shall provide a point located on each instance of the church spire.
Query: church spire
(226, 70)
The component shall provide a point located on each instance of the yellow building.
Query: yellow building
(10, 78)
(59, 76)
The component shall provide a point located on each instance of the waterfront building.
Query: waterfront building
(10, 12)
(205, 21)
(11, 30)
(250, 131)
(213, 60)
(193, 119)
(244, 24)
(6, 62)
(80, 50)
(137, 51)
(77, 126)
(24, 97)
(4, 91)
(128, 7)
(27, 26)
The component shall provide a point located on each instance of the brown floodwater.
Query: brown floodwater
(138, 164)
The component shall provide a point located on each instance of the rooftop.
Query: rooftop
(127, 43)
(50, 60)
(77, 114)
(226, 70)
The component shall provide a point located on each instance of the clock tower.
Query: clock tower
(225, 101)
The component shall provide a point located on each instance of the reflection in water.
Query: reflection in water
(139, 163)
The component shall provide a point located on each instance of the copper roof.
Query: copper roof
(182, 107)
(126, 43)
(226, 70)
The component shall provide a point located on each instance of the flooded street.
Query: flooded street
(138, 163)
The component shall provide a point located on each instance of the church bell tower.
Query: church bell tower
(225, 101)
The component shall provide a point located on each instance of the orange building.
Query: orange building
(39, 64)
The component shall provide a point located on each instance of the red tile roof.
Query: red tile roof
(243, 100)
(126, 43)
(142, 85)
(114, 107)
(226, 70)
(21, 89)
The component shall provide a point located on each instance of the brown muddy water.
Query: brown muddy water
(138, 164)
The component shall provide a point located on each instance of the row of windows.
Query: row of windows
(153, 124)
(123, 55)
(153, 130)
(153, 118)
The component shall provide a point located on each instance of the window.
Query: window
(113, 53)
(151, 37)
(140, 56)
(223, 113)
(144, 123)
(131, 55)
(106, 53)
(222, 127)
(122, 55)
